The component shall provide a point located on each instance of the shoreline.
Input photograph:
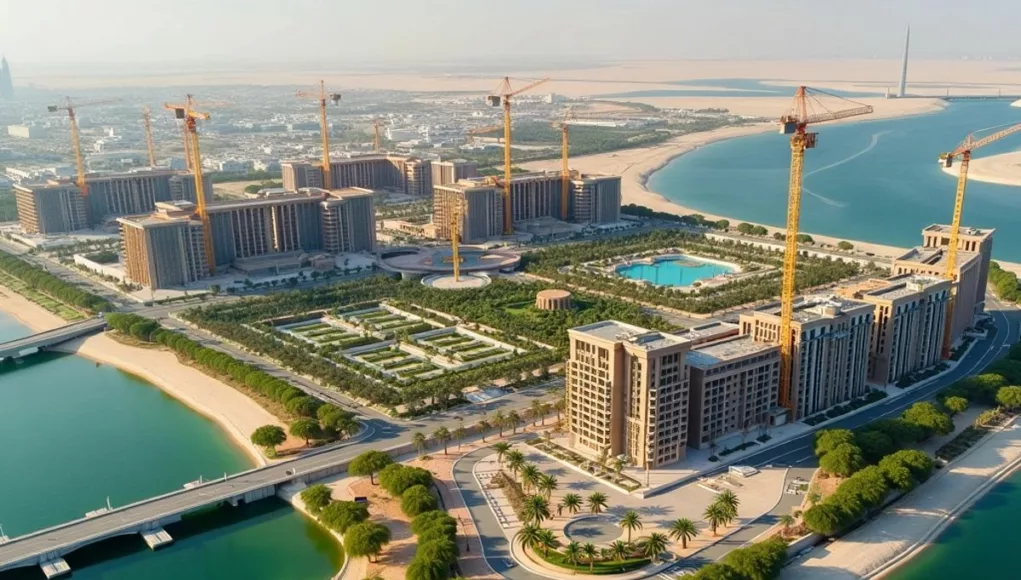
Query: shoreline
(234, 413)
(1001, 169)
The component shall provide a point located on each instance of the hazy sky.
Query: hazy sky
(349, 31)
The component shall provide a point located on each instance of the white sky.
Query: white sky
(348, 32)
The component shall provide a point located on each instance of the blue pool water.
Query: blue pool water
(678, 271)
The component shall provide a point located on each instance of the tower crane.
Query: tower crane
(76, 144)
(185, 113)
(455, 235)
(795, 123)
(324, 126)
(565, 170)
(503, 96)
(376, 124)
(963, 151)
(470, 135)
(146, 114)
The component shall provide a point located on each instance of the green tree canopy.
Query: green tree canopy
(369, 463)
(842, 460)
(341, 515)
(306, 429)
(316, 498)
(416, 500)
(929, 418)
(269, 436)
(1009, 397)
(396, 478)
(366, 539)
(827, 440)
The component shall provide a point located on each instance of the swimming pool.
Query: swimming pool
(674, 270)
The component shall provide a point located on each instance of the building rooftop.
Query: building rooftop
(905, 285)
(967, 231)
(265, 200)
(933, 256)
(635, 336)
(816, 307)
(709, 332)
(725, 350)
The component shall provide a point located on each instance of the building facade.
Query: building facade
(447, 172)
(274, 224)
(627, 393)
(595, 199)
(164, 249)
(831, 351)
(349, 221)
(406, 174)
(481, 211)
(734, 387)
(52, 208)
(967, 283)
(971, 240)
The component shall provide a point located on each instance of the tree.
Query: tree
(341, 515)
(745, 228)
(417, 500)
(572, 553)
(369, 463)
(535, 407)
(729, 501)
(716, 515)
(1009, 397)
(459, 435)
(515, 461)
(717, 571)
(269, 436)
(500, 420)
(513, 419)
(682, 530)
(590, 551)
(930, 419)
(306, 429)
(528, 535)
(955, 405)
(501, 449)
(630, 521)
(316, 498)
(546, 541)
(572, 502)
(787, 522)
(722, 224)
(654, 545)
(620, 550)
(597, 502)
(530, 475)
(418, 441)
(761, 561)
(824, 518)
(366, 539)
(845, 245)
(442, 435)
(874, 444)
(546, 485)
(827, 440)
(843, 460)
(396, 478)
(535, 510)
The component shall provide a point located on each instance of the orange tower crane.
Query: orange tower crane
(185, 113)
(146, 114)
(76, 144)
(503, 96)
(324, 126)
(963, 151)
(565, 170)
(795, 123)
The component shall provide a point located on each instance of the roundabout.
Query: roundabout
(595, 529)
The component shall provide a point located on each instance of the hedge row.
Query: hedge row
(43, 281)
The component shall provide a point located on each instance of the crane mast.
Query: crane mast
(565, 170)
(502, 97)
(324, 128)
(185, 113)
(455, 235)
(146, 114)
(76, 145)
(376, 124)
(795, 123)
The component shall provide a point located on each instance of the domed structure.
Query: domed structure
(553, 300)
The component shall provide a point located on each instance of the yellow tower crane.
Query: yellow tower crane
(795, 123)
(324, 126)
(146, 114)
(503, 97)
(185, 113)
(76, 144)
(376, 125)
(963, 151)
(455, 239)
(565, 170)
(470, 135)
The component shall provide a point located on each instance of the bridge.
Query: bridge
(46, 548)
(20, 347)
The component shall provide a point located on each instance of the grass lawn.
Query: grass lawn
(600, 566)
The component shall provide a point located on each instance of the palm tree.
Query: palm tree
(418, 442)
(546, 541)
(501, 449)
(560, 405)
(590, 551)
(716, 515)
(527, 536)
(572, 552)
(483, 427)
(631, 521)
(683, 529)
(597, 502)
(513, 419)
(620, 550)
(515, 461)
(530, 475)
(535, 510)
(500, 420)
(787, 521)
(654, 545)
(729, 501)
(544, 410)
(547, 485)
(534, 408)
(459, 434)
(572, 502)
(442, 435)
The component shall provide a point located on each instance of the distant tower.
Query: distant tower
(902, 89)
(6, 84)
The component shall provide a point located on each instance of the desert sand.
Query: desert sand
(234, 412)
(1004, 169)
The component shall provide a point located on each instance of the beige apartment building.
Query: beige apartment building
(734, 387)
(165, 249)
(973, 240)
(447, 172)
(50, 208)
(967, 281)
(908, 324)
(481, 211)
(627, 393)
(403, 173)
(831, 353)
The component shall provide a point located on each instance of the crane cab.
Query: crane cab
(788, 125)
(946, 160)
(810, 139)
(493, 100)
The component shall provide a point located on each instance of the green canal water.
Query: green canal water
(76, 433)
(876, 181)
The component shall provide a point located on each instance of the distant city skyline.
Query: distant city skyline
(123, 34)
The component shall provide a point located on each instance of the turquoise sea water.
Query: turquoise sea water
(673, 272)
(76, 433)
(874, 181)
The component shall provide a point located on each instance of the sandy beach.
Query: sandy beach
(234, 412)
(1004, 169)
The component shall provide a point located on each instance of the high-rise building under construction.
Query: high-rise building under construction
(407, 174)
